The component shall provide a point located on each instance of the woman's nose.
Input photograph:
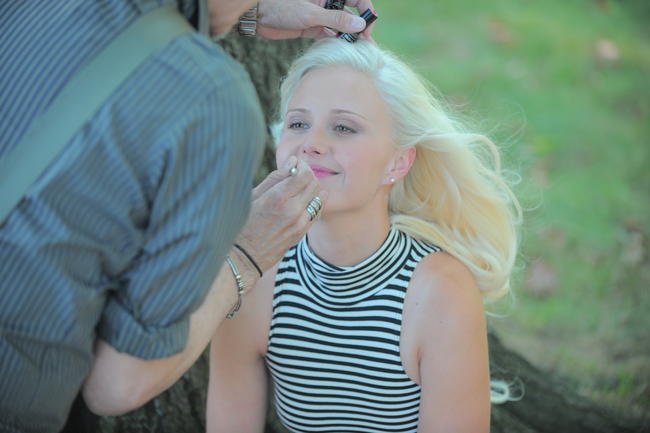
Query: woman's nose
(314, 144)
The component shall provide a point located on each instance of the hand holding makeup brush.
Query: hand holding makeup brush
(283, 19)
(278, 218)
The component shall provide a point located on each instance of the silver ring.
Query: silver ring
(293, 171)
(316, 203)
(313, 207)
(312, 212)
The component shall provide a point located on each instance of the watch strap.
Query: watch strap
(248, 22)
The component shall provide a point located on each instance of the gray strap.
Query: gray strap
(81, 98)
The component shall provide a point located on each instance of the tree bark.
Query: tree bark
(548, 406)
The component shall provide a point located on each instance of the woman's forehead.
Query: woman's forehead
(338, 88)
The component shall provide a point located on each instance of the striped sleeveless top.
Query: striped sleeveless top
(333, 349)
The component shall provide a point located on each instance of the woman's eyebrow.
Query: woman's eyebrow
(335, 111)
(340, 110)
(301, 110)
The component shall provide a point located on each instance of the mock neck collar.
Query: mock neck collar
(347, 285)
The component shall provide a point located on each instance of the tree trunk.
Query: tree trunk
(548, 406)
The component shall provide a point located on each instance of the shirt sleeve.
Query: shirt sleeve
(201, 203)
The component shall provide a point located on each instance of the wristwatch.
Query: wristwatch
(248, 22)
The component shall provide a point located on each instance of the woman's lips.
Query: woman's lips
(320, 171)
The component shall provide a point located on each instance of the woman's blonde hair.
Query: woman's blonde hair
(454, 195)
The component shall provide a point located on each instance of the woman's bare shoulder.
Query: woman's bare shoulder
(442, 303)
(442, 281)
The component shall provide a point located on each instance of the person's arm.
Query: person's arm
(453, 353)
(120, 382)
(237, 391)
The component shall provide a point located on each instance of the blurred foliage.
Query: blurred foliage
(564, 89)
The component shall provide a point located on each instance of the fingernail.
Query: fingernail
(358, 24)
(323, 194)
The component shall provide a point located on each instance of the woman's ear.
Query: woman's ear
(400, 165)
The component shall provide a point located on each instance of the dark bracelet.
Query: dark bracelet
(250, 259)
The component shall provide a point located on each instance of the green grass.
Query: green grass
(576, 126)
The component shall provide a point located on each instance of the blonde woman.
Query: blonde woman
(374, 321)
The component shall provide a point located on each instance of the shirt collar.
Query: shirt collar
(196, 12)
(203, 23)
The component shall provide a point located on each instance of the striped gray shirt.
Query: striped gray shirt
(122, 235)
(333, 349)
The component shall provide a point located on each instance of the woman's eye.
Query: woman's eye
(344, 129)
(298, 125)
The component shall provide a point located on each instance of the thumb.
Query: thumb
(342, 21)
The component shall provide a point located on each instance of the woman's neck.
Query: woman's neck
(346, 239)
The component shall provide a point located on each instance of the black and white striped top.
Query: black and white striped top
(333, 349)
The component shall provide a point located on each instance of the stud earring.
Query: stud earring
(391, 180)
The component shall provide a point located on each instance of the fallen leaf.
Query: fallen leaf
(500, 33)
(606, 50)
(554, 237)
(633, 249)
(602, 4)
(541, 279)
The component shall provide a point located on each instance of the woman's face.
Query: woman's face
(339, 125)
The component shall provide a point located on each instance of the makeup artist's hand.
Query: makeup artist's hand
(284, 19)
(278, 217)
